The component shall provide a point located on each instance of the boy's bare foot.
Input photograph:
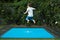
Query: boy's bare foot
(34, 22)
(28, 21)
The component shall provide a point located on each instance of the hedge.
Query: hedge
(47, 11)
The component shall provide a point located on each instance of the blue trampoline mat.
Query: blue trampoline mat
(27, 33)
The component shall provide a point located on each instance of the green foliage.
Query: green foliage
(47, 11)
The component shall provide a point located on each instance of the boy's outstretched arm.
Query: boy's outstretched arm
(34, 8)
(25, 12)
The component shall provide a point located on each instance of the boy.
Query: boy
(30, 13)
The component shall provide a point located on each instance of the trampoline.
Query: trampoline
(27, 33)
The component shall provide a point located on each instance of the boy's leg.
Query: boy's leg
(34, 21)
(27, 19)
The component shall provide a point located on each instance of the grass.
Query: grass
(29, 39)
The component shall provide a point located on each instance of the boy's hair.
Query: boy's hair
(30, 4)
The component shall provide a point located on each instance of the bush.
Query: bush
(47, 11)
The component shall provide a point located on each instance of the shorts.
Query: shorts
(29, 18)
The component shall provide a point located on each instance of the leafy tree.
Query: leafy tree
(47, 11)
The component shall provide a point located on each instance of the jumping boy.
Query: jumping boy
(30, 13)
